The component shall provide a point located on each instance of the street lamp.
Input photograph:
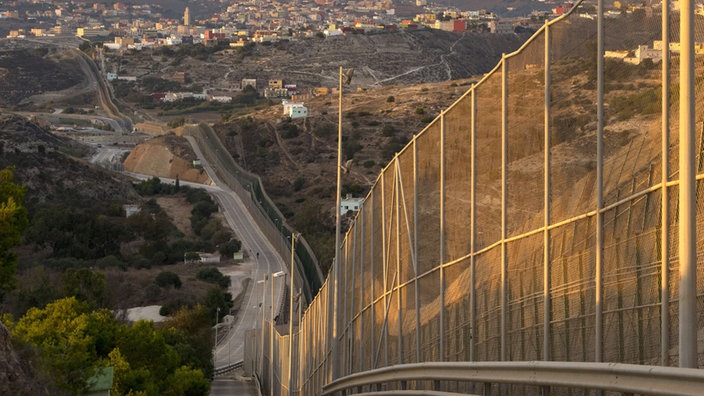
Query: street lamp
(347, 78)
(271, 333)
(290, 314)
(263, 306)
(217, 319)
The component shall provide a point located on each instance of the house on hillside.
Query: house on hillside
(350, 204)
(295, 109)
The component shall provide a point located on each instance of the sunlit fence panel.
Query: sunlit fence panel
(534, 219)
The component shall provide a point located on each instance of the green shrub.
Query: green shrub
(167, 278)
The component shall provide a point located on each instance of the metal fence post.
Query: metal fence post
(546, 204)
(687, 198)
(361, 288)
(504, 194)
(473, 224)
(598, 292)
(397, 187)
(442, 237)
(415, 244)
(665, 199)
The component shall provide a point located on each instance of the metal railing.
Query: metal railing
(616, 377)
(550, 214)
(219, 371)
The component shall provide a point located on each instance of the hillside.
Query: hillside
(166, 156)
(27, 72)
(48, 165)
(380, 59)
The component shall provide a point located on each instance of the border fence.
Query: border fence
(538, 218)
(262, 209)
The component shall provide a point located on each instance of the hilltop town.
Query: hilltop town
(143, 24)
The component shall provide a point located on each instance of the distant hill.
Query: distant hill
(50, 168)
(27, 72)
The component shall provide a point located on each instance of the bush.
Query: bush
(390, 99)
(168, 278)
(420, 110)
(230, 247)
(369, 163)
(388, 130)
(213, 275)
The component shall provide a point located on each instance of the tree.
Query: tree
(85, 285)
(166, 278)
(189, 382)
(70, 338)
(13, 221)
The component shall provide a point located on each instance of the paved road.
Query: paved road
(228, 386)
(266, 260)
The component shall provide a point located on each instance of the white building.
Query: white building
(295, 109)
(348, 204)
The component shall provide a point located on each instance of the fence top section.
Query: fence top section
(630, 378)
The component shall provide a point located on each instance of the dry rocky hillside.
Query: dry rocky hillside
(48, 166)
(166, 156)
(379, 59)
(26, 72)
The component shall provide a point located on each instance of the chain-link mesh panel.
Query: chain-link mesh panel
(525, 134)
(458, 168)
(572, 117)
(573, 297)
(488, 161)
(409, 324)
(458, 330)
(488, 292)
(525, 298)
(428, 290)
(428, 187)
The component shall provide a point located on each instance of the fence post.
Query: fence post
(473, 224)
(546, 202)
(397, 188)
(504, 194)
(687, 198)
(415, 244)
(665, 199)
(442, 237)
(598, 292)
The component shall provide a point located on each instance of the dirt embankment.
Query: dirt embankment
(166, 156)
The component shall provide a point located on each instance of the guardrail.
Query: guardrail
(228, 368)
(627, 378)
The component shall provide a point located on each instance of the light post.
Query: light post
(271, 334)
(263, 307)
(217, 319)
(290, 314)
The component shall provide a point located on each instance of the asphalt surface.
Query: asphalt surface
(265, 260)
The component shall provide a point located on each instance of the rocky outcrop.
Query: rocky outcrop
(16, 375)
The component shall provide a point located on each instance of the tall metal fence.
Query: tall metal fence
(534, 219)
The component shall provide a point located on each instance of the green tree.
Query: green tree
(85, 285)
(217, 298)
(70, 339)
(167, 278)
(13, 221)
(189, 382)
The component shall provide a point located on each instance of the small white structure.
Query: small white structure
(348, 204)
(131, 210)
(221, 99)
(295, 109)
